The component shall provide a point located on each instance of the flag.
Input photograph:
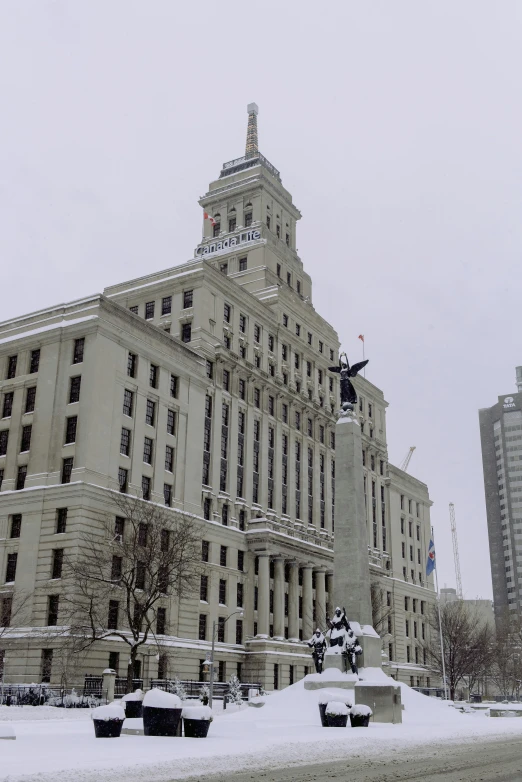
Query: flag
(208, 217)
(430, 564)
(361, 337)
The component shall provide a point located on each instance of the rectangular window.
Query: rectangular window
(25, 443)
(239, 633)
(150, 412)
(298, 420)
(242, 526)
(134, 310)
(47, 664)
(205, 550)
(8, 405)
(221, 639)
(171, 422)
(70, 429)
(239, 596)
(145, 487)
(132, 361)
(1, 479)
(166, 305)
(61, 520)
(149, 310)
(112, 619)
(297, 330)
(167, 494)
(223, 556)
(188, 299)
(161, 621)
(74, 390)
(147, 450)
(186, 332)
(6, 610)
(30, 399)
(203, 589)
(222, 592)
(67, 467)
(20, 478)
(79, 349)
(10, 571)
(257, 397)
(11, 367)
(232, 224)
(227, 312)
(224, 515)
(57, 563)
(202, 627)
(226, 380)
(116, 568)
(153, 376)
(140, 575)
(169, 458)
(240, 560)
(257, 333)
(34, 363)
(207, 508)
(125, 442)
(242, 264)
(128, 403)
(174, 386)
(123, 479)
(16, 525)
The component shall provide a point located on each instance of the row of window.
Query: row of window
(410, 506)
(13, 364)
(12, 561)
(30, 399)
(222, 591)
(150, 412)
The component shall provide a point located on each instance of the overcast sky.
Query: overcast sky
(397, 128)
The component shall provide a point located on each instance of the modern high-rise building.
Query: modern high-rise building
(204, 388)
(501, 439)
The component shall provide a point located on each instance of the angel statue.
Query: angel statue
(348, 394)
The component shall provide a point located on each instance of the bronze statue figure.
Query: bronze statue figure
(348, 394)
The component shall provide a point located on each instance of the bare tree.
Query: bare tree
(125, 571)
(14, 611)
(467, 644)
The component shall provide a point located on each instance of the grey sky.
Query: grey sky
(396, 126)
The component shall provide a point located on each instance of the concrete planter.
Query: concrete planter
(196, 729)
(107, 729)
(161, 722)
(337, 720)
(133, 709)
(359, 720)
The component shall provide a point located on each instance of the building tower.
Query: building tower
(501, 440)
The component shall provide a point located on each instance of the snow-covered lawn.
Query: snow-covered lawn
(285, 731)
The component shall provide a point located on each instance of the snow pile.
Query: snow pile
(109, 712)
(197, 713)
(7, 731)
(360, 710)
(337, 709)
(159, 699)
(137, 695)
(325, 696)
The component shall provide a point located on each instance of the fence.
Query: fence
(44, 695)
(193, 688)
(93, 685)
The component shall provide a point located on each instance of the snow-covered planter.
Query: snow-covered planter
(360, 716)
(196, 721)
(336, 714)
(323, 703)
(161, 713)
(133, 704)
(108, 721)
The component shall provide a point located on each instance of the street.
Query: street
(487, 761)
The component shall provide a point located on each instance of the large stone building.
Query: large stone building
(205, 388)
(501, 438)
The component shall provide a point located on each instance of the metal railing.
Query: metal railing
(46, 695)
(193, 688)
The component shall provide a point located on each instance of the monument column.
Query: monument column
(351, 564)
(320, 599)
(279, 598)
(293, 602)
(263, 595)
(308, 619)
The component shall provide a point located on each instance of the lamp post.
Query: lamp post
(210, 663)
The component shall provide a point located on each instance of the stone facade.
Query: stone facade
(224, 360)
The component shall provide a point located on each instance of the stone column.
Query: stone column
(320, 599)
(263, 596)
(293, 602)
(351, 563)
(308, 620)
(330, 589)
(109, 683)
(279, 598)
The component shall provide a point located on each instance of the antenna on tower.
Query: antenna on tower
(455, 550)
(252, 149)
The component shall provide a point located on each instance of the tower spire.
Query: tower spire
(251, 149)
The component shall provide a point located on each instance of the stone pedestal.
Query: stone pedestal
(383, 699)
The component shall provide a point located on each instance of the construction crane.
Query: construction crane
(455, 550)
(405, 463)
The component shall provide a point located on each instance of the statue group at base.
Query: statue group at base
(340, 634)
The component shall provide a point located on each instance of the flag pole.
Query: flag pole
(440, 622)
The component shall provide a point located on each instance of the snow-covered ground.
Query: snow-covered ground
(285, 731)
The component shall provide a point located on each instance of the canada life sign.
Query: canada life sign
(226, 244)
